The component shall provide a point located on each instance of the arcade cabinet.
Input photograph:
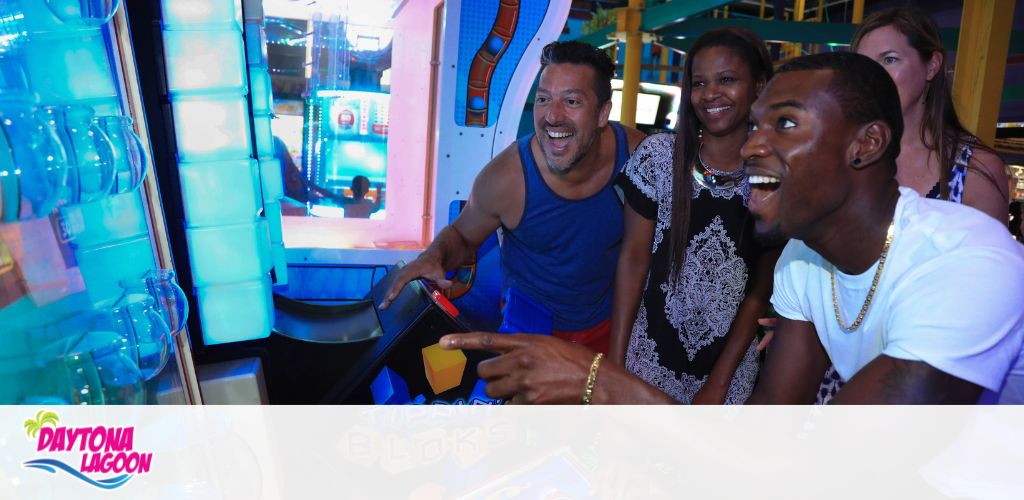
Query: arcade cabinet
(416, 96)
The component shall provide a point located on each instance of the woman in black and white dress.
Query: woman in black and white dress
(691, 281)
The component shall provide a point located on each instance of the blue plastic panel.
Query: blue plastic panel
(253, 10)
(255, 44)
(204, 60)
(104, 267)
(273, 211)
(261, 91)
(107, 220)
(212, 128)
(227, 254)
(332, 283)
(236, 312)
(280, 263)
(270, 175)
(69, 66)
(389, 388)
(264, 135)
(219, 192)
(199, 14)
(104, 106)
(38, 18)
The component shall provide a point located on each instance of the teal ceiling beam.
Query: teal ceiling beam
(1013, 93)
(950, 37)
(787, 31)
(797, 32)
(659, 16)
(599, 38)
(681, 45)
(655, 17)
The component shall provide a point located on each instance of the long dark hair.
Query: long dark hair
(752, 49)
(941, 130)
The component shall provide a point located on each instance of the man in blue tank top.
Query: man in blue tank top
(552, 195)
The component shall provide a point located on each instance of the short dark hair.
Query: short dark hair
(573, 52)
(863, 89)
(359, 188)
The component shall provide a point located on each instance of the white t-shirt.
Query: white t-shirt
(951, 295)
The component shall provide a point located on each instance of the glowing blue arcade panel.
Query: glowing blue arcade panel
(347, 151)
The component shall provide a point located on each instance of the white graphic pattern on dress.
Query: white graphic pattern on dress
(701, 306)
(642, 360)
(650, 170)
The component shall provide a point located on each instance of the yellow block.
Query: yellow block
(443, 368)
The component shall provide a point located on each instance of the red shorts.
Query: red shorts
(595, 337)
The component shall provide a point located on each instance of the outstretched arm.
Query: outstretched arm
(538, 369)
(794, 367)
(630, 275)
(457, 243)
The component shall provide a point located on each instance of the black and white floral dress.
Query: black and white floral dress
(681, 324)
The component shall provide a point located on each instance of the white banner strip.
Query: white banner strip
(433, 452)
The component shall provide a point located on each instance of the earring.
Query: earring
(856, 162)
(700, 134)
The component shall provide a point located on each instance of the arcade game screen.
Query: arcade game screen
(347, 137)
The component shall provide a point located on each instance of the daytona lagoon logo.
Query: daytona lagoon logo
(104, 457)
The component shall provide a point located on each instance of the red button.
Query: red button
(445, 304)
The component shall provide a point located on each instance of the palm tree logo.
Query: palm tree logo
(43, 417)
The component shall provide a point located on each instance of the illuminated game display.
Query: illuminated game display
(347, 133)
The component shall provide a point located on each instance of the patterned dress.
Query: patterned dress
(832, 382)
(682, 321)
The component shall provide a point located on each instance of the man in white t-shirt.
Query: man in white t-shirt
(913, 300)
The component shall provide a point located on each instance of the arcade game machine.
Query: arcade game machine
(306, 148)
(90, 311)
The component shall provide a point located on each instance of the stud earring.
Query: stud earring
(856, 162)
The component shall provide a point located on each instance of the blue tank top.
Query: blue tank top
(563, 253)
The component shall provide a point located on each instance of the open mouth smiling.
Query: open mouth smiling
(762, 188)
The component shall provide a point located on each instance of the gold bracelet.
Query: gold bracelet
(588, 391)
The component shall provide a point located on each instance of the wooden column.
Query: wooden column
(629, 23)
(981, 64)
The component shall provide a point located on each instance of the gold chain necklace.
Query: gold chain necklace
(871, 292)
